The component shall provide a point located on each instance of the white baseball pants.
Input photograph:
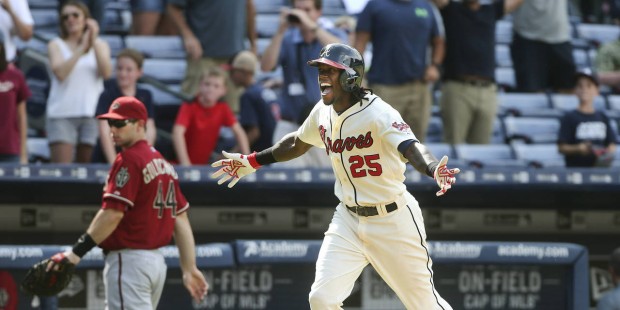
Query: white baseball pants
(394, 243)
(133, 279)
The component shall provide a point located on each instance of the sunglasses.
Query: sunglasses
(66, 16)
(120, 123)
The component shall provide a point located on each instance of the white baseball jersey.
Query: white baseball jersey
(362, 145)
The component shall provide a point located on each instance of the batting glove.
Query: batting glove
(235, 166)
(444, 176)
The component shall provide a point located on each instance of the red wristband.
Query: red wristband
(252, 161)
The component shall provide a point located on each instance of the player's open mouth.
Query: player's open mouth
(326, 88)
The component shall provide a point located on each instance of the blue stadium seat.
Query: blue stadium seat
(499, 134)
(532, 130)
(42, 4)
(491, 155)
(115, 42)
(170, 71)
(567, 102)
(441, 149)
(581, 58)
(334, 7)
(505, 78)
(46, 20)
(502, 55)
(267, 25)
(614, 102)
(157, 46)
(161, 97)
(539, 155)
(598, 33)
(526, 104)
(38, 149)
(269, 6)
(434, 131)
(503, 31)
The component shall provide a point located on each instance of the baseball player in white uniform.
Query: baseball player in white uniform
(377, 221)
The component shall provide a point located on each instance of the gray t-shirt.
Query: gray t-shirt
(543, 20)
(220, 25)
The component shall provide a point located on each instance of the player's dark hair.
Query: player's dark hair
(318, 4)
(78, 4)
(132, 54)
(359, 93)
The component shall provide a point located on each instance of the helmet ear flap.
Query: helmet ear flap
(347, 81)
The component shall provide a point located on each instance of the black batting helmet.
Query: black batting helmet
(348, 59)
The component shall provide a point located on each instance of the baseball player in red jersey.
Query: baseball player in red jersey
(377, 220)
(142, 207)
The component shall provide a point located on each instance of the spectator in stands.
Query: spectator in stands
(400, 33)
(586, 137)
(13, 118)
(213, 33)
(96, 9)
(128, 71)
(611, 299)
(541, 50)
(79, 61)
(197, 128)
(259, 108)
(608, 65)
(468, 92)
(149, 17)
(300, 36)
(15, 19)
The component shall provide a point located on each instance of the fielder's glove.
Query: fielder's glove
(235, 166)
(41, 282)
(444, 176)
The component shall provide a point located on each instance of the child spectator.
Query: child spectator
(197, 127)
(13, 121)
(79, 61)
(586, 138)
(128, 71)
(259, 106)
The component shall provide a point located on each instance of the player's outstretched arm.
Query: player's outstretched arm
(425, 162)
(193, 279)
(235, 166)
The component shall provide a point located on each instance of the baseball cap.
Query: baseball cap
(126, 107)
(245, 60)
(587, 73)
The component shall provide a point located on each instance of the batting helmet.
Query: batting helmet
(348, 59)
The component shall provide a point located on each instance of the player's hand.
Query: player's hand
(444, 176)
(196, 284)
(234, 166)
(62, 258)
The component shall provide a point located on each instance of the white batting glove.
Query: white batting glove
(444, 176)
(236, 166)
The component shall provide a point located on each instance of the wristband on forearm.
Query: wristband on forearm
(265, 157)
(83, 245)
(430, 169)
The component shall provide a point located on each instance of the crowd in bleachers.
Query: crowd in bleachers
(166, 46)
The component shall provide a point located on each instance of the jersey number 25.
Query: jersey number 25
(372, 168)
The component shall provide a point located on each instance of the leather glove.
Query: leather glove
(235, 166)
(444, 176)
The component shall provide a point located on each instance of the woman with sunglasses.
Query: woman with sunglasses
(79, 62)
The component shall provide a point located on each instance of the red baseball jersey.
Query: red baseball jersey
(146, 187)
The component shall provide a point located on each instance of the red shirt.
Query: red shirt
(146, 187)
(203, 128)
(13, 90)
